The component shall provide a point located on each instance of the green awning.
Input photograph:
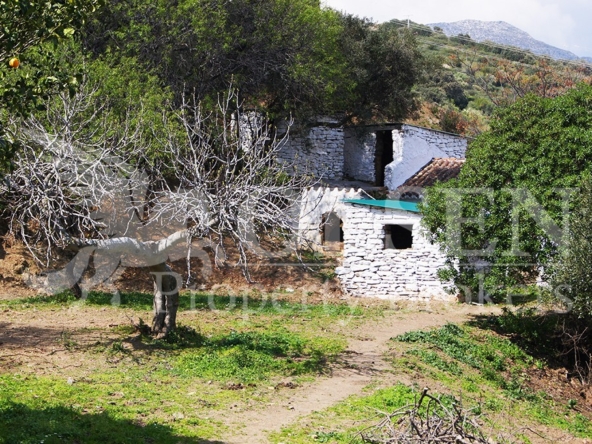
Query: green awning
(388, 203)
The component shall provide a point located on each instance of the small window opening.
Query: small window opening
(332, 229)
(398, 237)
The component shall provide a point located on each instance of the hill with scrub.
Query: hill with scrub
(504, 34)
(466, 80)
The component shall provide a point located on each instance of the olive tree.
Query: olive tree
(570, 273)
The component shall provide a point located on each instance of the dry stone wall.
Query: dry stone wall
(359, 152)
(317, 151)
(370, 270)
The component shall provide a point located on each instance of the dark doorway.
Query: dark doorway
(332, 230)
(383, 155)
(398, 237)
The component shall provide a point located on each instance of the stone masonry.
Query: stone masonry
(318, 202)
(371, 270)
(413, 147)
(359, 150)
(317, 151)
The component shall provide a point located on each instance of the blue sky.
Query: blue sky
(566, 24)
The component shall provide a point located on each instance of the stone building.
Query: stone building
(385, 253)
(377, 155)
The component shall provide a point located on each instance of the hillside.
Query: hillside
(504, 34)
(466, 80)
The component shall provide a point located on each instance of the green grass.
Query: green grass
(249, 357)
(107, 407)
(168, 390)
(343, 422)
(497, 359)
(488, 368)
(247, 304)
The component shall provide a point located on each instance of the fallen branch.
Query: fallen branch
(428, 420)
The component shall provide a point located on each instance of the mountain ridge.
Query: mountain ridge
(505, 34)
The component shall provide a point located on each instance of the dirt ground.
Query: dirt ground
(31, 339)
(38, 343)
(361, 364)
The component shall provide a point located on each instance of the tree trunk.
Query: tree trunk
(166, 299)
(152, 254)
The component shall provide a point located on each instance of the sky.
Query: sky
(566, 24)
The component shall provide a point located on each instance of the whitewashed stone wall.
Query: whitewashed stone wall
(370, 270)
(319, 201)
(413, 147)
(450, 144)
(318, 151)
(359, 153)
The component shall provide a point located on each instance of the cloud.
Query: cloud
(563, 24)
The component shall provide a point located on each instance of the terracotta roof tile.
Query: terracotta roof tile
(436, 170)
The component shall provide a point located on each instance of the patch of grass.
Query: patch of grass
(491, 355)
(342, 422)
(250, 357)
(248, 305)
(58, 424)
(487, 368)
(530, 330)
(109, 407)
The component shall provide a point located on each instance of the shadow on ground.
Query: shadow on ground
(52, 425)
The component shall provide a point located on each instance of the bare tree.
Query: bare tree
(82, 186)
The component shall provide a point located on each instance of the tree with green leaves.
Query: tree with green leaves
(279, 54)
(501, 221)
(570, 273)
(383, 66)
(30, 31)
(285, 57)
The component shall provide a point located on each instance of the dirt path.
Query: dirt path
(361, 364)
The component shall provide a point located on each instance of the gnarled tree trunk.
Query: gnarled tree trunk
(166, 299)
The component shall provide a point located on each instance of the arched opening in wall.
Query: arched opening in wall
(332, 231)
(383, 155)
(398, 237)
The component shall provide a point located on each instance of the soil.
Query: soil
(361, 364)
(41, 343)
(364, 363)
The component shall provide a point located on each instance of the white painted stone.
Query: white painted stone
(396, 274)
(414, 147)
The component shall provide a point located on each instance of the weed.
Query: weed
(182, 337)
(326, 436)
(66, 340)
(252, 356)
(492, 356)
(117, 347)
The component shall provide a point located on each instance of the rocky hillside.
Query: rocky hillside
(504, 34)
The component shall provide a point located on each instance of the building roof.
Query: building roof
(388, 203)
(436, 170)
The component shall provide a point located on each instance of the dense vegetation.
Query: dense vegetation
(30, 31)
(518, 185)
(466, 80)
